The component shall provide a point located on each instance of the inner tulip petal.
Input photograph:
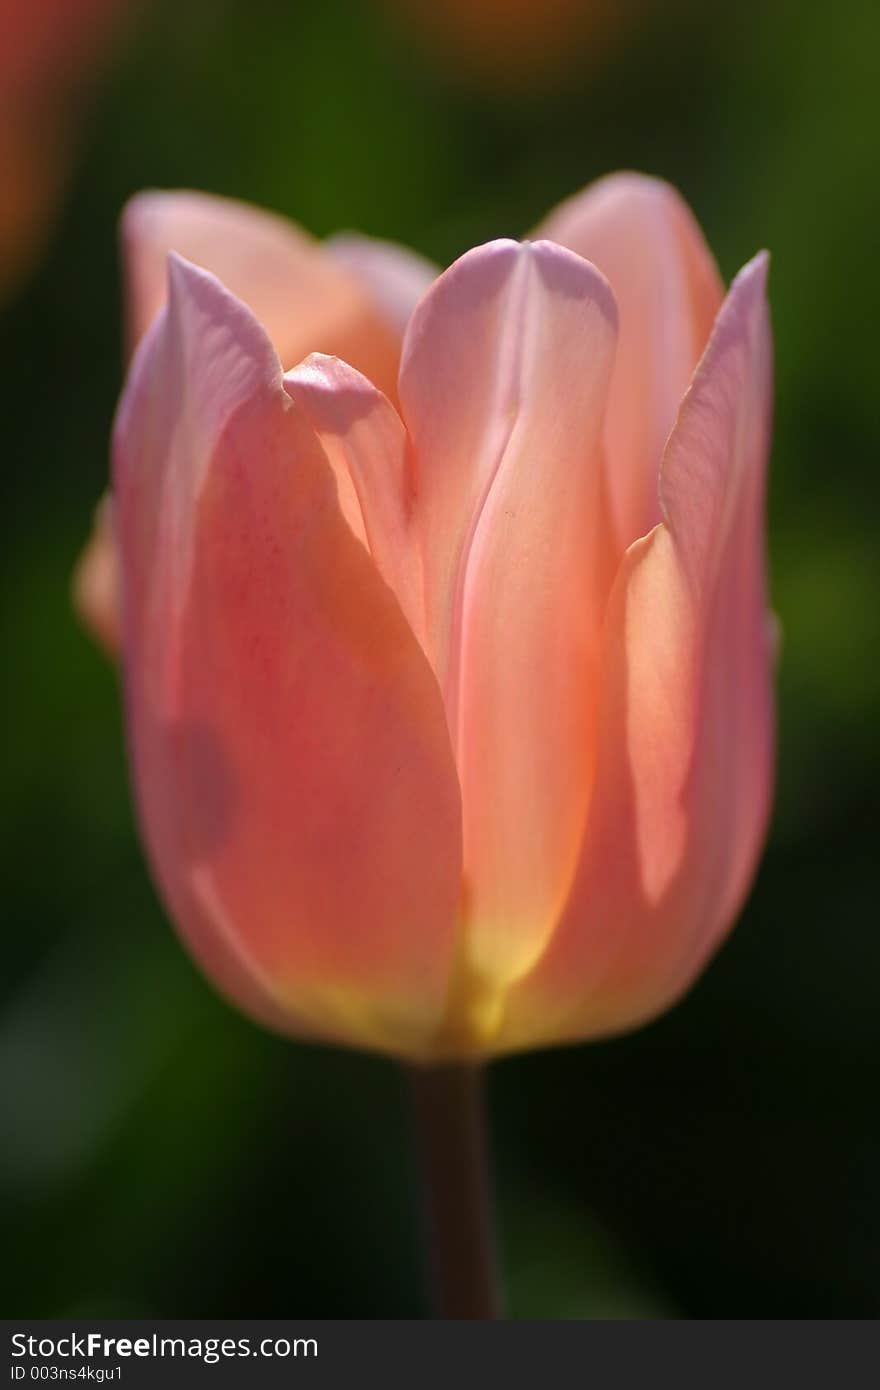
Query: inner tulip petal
(503, 383)
(305, 298)
(365, 442)
(395, 276)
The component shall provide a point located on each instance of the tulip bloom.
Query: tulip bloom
(451, 717)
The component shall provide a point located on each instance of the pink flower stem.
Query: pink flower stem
(453, 1158)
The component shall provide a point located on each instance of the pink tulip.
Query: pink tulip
(350, 297)
(451, 721)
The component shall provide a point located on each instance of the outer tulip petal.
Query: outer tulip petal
(684, 770)
(292, 764)
(395, 276)
(366, 444)
(305, 299)
(503, 382)
(644, 238)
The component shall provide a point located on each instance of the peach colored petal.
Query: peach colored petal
(291, 760)
(503, 382)
(684, 771)
(306, 301)
(365, 442)
(644, 238)
(394, 276)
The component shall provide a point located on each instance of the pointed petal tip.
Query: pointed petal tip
(755, 272)
(191, 287)
(746, 294)
(185, 276)
(194, 291)
(746, 298)
(727, 401)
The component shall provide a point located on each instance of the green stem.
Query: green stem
(452, 1149)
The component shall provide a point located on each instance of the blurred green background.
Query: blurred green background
(161, 1156)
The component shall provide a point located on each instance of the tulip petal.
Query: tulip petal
(305, 299)
(366, 445)
(292, 764)
(644, 238)
(395, 276)
(503, 380)
(684, 770)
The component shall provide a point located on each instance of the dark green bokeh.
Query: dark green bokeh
(159, 1155)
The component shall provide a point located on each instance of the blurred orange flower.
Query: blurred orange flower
(509, 43)
(49, 50)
